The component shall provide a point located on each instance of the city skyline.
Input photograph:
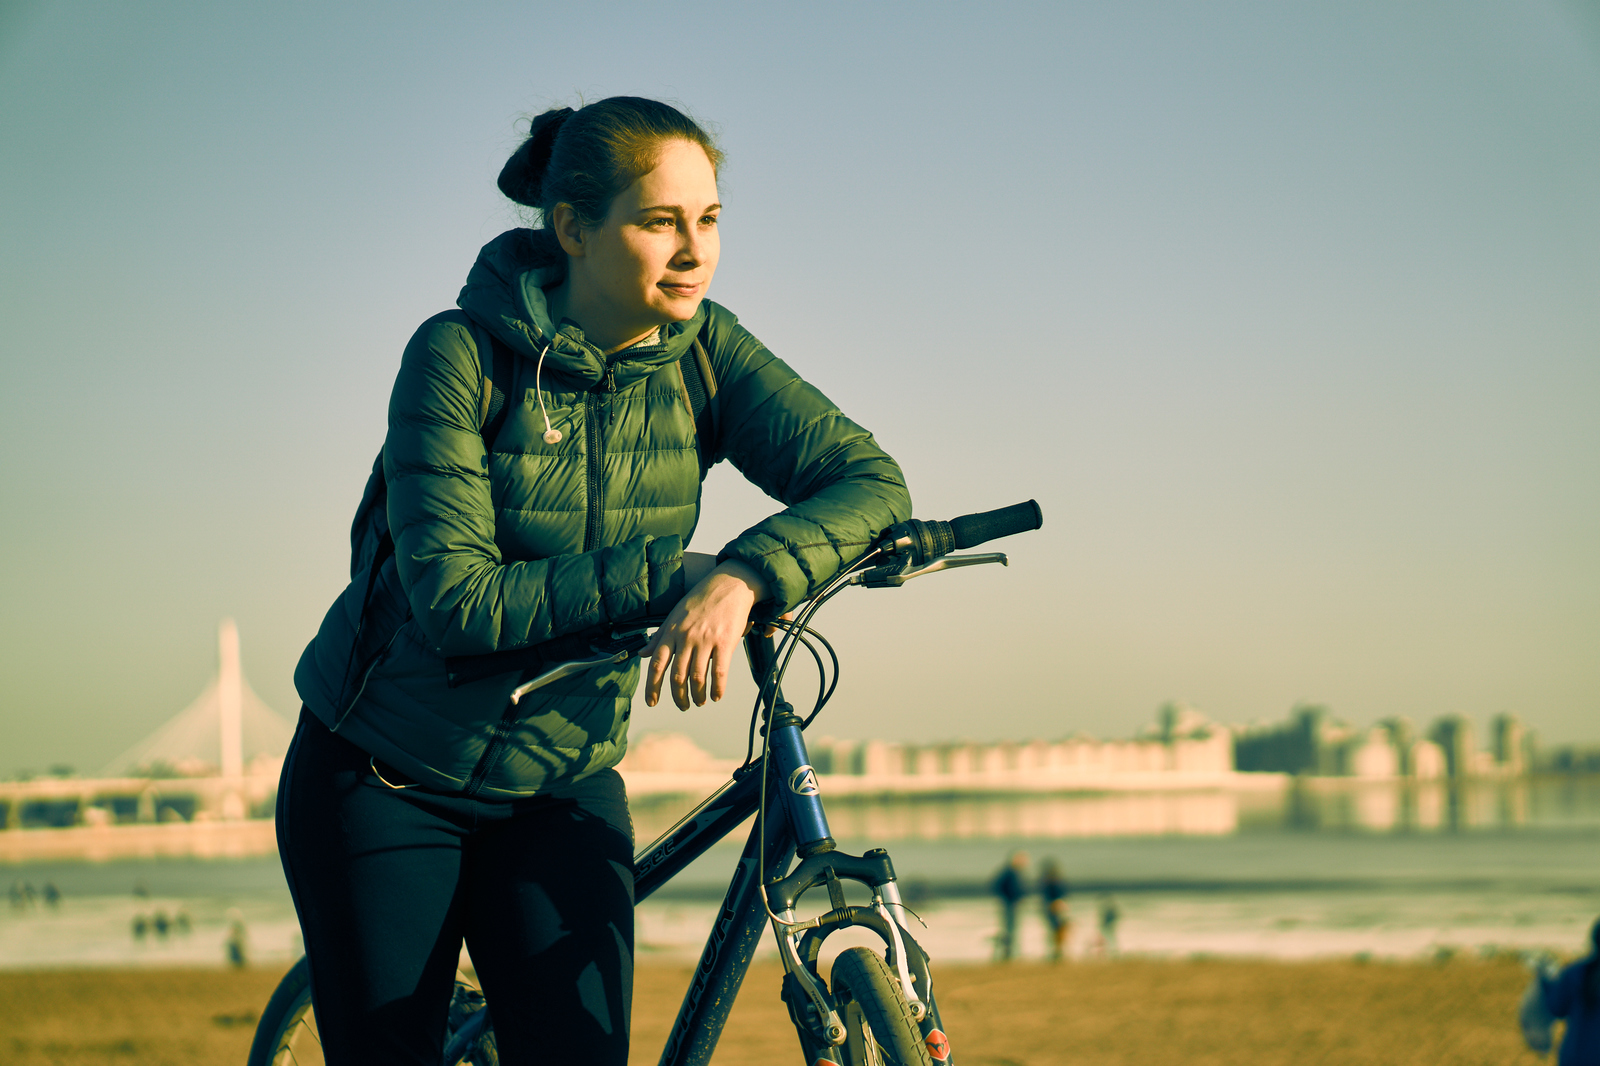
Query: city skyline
(229, 721)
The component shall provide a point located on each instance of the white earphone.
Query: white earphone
(551, 435)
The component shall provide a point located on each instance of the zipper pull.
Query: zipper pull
(611, 393)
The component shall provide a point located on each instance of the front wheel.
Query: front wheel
(287, 1033)
(879, 1028)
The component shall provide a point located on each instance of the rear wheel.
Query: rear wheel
(287, 1033)
(879, 1028)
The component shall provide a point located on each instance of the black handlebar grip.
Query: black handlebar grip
(973, 529)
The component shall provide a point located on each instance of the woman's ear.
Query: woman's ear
(568, 230)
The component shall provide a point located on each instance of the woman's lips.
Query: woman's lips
(678, 289)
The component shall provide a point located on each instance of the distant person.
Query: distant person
(18, 900)
(1110, 915)
(1010, 889)
(141, 926)
(180, 921)
(1574, 994)
(160, 924)
(236, 949)
(52, 895)
(1054, 894)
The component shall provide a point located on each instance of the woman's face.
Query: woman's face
(651, 260)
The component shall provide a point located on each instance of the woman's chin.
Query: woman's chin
(680, 308)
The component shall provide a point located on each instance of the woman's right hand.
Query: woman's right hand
(700, 638)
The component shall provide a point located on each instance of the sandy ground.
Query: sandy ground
(1028, 1014)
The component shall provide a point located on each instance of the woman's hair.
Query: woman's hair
(586, 157)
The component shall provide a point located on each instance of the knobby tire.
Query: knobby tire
(879, 1028)
(287, 1033)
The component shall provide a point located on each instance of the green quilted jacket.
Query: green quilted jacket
(497, 550)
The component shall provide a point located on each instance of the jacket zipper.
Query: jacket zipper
(491, 754)
(594, 434)
(594, 430)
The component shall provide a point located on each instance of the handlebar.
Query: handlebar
(925, 540)
(971, 530)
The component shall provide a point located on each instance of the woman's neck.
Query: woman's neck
(567, 301)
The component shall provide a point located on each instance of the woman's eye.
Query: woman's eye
(709, 220)
(664, 222)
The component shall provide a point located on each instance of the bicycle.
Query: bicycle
(872, 1009)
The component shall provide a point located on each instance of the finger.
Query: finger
(680, 679)
(698, 668)
(719, 676)
(658, 669)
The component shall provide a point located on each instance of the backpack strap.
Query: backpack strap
(699, 386)
(499, 375)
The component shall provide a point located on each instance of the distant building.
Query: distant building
(1372, 754)
(1181, 746)
(1427, 761)
(1510, 745)
(1453, 734)
(1312, 742)
(1569, 759)
(1403, 736)
(1307, 743)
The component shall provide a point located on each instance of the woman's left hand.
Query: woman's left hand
(701, 636)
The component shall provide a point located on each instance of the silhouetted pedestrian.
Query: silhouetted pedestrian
(1009, 888)
(237, 947)
(1057, 914)
(1574, 994)
(1110, 915)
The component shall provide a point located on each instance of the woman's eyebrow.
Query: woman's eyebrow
(675, 209)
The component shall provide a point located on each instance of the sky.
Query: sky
(1288, 315)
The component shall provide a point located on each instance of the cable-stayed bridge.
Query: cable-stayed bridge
(199, 785)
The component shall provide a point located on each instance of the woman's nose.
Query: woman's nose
(690, 252)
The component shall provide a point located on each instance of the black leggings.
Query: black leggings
(389, 882)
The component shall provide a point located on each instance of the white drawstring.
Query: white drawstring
(551, 436)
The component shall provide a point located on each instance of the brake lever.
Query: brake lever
(893, 575)
(618, 650)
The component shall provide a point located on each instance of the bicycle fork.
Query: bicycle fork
(812, 1009)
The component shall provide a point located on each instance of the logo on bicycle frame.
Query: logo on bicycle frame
(803, 782)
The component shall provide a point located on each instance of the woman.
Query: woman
(1574, 994)
(419, 807)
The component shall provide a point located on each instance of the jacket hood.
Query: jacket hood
(505, 293)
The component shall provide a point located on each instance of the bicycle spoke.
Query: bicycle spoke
(869, 1044)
